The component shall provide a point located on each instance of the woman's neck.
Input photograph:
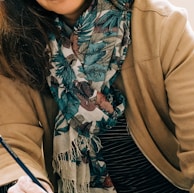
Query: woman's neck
(72, 18)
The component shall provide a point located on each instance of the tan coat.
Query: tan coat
(158, 81)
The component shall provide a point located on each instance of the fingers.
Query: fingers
(14, 189)
(25, 185)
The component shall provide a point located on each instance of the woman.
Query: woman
(87, 69)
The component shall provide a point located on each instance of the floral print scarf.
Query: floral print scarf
(85, 61)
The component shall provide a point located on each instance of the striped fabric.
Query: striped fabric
(4, 189)
(129, 169)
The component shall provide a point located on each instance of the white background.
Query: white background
(189, 5)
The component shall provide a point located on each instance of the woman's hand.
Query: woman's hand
(25, 185)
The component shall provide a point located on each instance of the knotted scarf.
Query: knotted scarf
(84, 66)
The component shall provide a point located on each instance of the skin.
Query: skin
(25, 185)
(71, 10)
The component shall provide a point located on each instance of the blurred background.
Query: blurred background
(189, 5)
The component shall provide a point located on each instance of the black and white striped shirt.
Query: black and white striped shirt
(129, 169)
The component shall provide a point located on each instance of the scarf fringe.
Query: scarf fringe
(74, 153)
(67, 157)
(70, 186)
(62, 163)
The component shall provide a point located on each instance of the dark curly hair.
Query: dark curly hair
(23, 38)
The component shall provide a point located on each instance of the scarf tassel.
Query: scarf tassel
(70, 186)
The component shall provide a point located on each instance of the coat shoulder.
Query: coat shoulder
(162, 7)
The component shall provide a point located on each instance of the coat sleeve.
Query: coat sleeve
(177, 53)
(20, 128)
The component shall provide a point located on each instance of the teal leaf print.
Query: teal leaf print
(61, 130)
(109, 21)
(69, 104)
(64, 70)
